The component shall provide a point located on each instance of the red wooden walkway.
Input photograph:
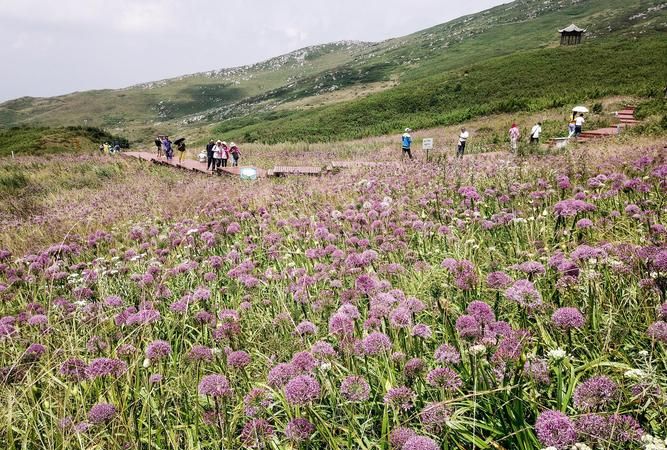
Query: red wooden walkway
(189, 164)
(626, 118)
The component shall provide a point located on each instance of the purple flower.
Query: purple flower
(355, 389)
(567, 318)
(302, 390)
(662, 311)
(658, 331)
(215, 385)
(34, 352)
(256, 432)
(158, 350)
(400, 436)
(299, 430)
(238, 359)
(341, 325)
(413, 367)
(555, 429)
(200, 353)
(594, 393)
(444, 378)
(305, 328)
(401, 397)
(101, 413)
(592, 428)
(102, 367)
(524, 293)
(422, 331)
(155, 378)
(537, 370)
(400, 317)
(376, 343)
(420, 443)
(73, 369)
(303, 361)
(481, 311)
(323, 350)
(623, 428)
(281, 374)
(498, 280)
(447, 354)
(434, 417)
(256, 401)
(468, 327)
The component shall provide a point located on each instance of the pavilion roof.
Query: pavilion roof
(571, 29)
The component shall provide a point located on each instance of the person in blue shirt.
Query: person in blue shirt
(406, 143)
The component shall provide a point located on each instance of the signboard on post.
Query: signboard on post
(427, 144)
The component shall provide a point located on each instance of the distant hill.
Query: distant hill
(503, 59)
(38, 140)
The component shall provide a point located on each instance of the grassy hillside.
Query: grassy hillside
(344, 78)
(38, 141)
(526, 81)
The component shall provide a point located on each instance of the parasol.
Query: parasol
(580, 109)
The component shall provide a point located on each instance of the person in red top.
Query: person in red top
(236, 154)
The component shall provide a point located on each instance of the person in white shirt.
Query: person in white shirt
(535, 133)
(463, 137)
(578, 124)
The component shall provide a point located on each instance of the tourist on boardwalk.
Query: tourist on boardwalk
(158, 146)
(166, 146)
(535, 133)
(181, 150)
(107, 148)
(571, 128)
(209, 154)
(218, 150)
(236, 154)
(224, 155)
(102, 149)
(406, 142)
(579, 124)
(463, 138)
(515, 134)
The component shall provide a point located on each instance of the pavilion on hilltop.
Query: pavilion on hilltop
(571, 35)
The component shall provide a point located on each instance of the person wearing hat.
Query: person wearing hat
(209, 154)
(236, 154)
(406, 142)
(218, 150)
(224, 154)
(515, 134)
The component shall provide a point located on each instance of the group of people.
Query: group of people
(575, 128)
(107, 149)
(406, 143)
(218, 154)
(164, 147)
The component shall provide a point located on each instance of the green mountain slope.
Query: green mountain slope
(472, 65)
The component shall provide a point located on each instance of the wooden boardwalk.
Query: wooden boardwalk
(190, 164)
(626, 118)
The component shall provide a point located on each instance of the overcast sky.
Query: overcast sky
(52, 47)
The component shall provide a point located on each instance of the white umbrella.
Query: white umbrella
(580, 109)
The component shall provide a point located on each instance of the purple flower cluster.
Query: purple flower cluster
(302, 390)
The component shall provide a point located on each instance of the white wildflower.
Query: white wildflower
(477, 349)
(557, 354)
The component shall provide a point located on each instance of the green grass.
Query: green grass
(38, 141)
(527, 81)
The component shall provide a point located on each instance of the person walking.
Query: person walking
(579, 124)
(224, 154)
(535, 133)
(209, 154)
(181, 151)
(107, 148)
(406, 143)
(158, 146)
(571, 127)
(236, 154)
(166, 146)
(102, 149)
(463, 138)
(515, 134)
(217, 155)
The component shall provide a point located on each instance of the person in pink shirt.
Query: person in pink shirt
(515, 134)
(236, 154)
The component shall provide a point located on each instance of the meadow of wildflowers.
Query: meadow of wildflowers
(491, 303)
